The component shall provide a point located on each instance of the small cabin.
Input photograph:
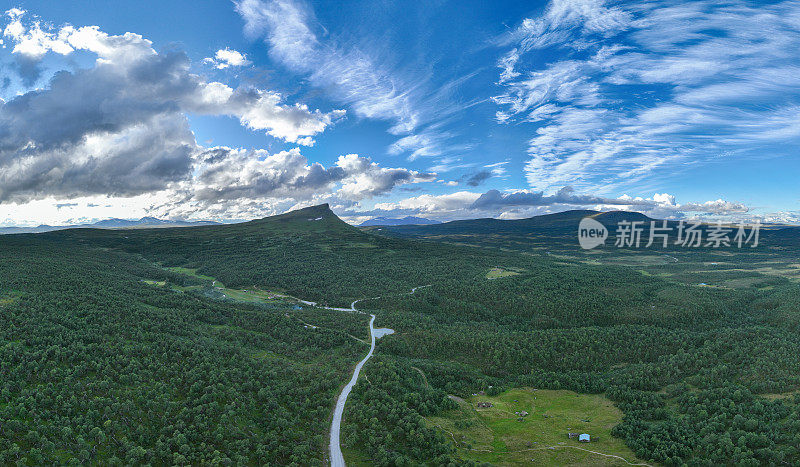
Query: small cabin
(584, 438)
(484, 404)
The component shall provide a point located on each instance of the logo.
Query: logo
(634, 234)
(591, 233)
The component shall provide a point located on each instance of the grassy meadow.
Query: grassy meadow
(498, 434)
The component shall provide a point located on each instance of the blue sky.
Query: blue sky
(234, 110)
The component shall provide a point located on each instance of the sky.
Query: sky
(228, 111)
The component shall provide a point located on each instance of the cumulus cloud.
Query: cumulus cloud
(226, 58)
(616, 92)
(119, 130)
(663, 203)
(120, 127)
(367, 179)
(231, 174)
(145, 156)
(525, 203)
(430, 204)
(231, 182)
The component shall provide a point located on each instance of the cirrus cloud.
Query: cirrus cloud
(614, 92)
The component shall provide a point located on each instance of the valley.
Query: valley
(257, 324)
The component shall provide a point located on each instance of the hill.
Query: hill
(310, 253)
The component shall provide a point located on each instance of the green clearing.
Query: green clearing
(250, 295)
(156, 283)
(781, 395)
(497, 273)
(496, 434)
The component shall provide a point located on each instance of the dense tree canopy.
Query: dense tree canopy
(102, 365)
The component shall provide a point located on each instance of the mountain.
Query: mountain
(315, 220)
(546, 230)
(146, 222)
(113, 223)
(37, 229)
(612, 218)
(408, 220)
(561, 222)
(310, 253)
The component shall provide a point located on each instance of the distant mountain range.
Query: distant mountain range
(410, 226)
(566, 221)
(143, 223)
(408, 220)
(563, 225)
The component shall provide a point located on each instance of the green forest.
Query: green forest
(110, 357)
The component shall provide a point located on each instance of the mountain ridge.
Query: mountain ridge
(557, 222)
(113, 223)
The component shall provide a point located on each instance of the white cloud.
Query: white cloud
(125, 57)
(352, 75)
(80, 210)
(294, 123)
(120, 127)
(366, 179)
(439, 205)
(229, 177)
(518, 204)
(561, 19)
(660, 204)
(617, 93)
(226, 58)
(359, 75)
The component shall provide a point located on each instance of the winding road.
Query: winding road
(337, 460)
